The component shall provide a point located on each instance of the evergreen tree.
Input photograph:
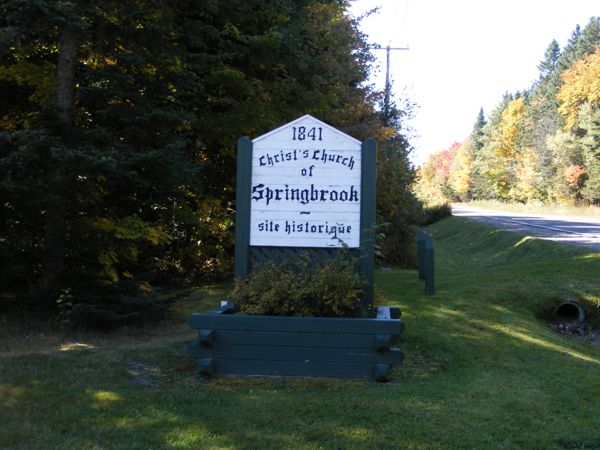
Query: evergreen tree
(477, 134)
(397, 207)
(104, 162)
(590, 122)
(483, 183)
(547, 67)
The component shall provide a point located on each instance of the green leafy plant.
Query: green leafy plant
(433, 213)
(330, 289)
(64, 306)
(110, 306)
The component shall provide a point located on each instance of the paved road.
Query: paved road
(580, 231)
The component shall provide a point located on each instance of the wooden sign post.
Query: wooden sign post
(308, 187)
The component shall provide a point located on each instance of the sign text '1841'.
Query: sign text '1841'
(302, 133)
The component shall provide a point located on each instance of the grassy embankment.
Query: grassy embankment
(482, 370)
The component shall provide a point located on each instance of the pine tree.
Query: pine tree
(477, 134)
(547, 66)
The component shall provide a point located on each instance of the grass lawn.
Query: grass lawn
(482, 369)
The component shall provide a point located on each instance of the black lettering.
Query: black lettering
(301, 133)
(257, 192)
(314, 193)
(294, 194)
(351, 163)
(269, 195)
(304, 199)
(324, 156)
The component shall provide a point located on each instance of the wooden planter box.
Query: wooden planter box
(235, 344)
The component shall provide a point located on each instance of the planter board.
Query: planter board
(235, 344)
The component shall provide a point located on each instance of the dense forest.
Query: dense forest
(118, 124)
(538, 145)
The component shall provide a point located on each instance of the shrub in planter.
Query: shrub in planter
(330, 289)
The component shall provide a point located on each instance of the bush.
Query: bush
(109, 307)
(434, 213)
(331, 289)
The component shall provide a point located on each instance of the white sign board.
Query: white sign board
(306, 187)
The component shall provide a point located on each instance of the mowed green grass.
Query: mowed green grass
(482, 369)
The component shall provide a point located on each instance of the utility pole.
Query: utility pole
(388, 85)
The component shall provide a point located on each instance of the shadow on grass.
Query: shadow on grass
(99, 408)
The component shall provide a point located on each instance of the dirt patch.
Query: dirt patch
(145, 375)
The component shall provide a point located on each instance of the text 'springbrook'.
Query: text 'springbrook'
(260, 192)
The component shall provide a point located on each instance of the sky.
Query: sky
(464, 55)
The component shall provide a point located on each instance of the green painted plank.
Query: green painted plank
(295, 324)
(324, 340)
(284, 353)
(367, 216)
(294, 368)
(242, 207)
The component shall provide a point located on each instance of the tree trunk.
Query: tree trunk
(53, 256)
(65, 75)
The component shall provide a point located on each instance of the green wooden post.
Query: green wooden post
(421, 253)
(367, 217)
(429, 266)
(242, 207)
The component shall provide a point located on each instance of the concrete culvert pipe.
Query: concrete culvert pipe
(570, 310)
